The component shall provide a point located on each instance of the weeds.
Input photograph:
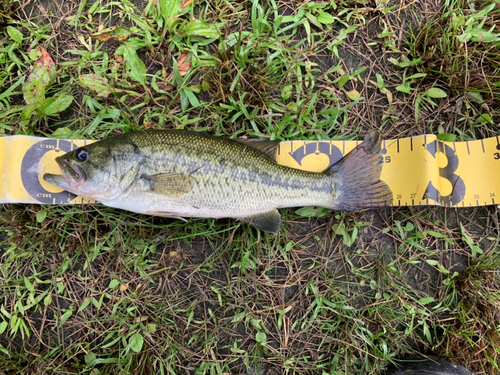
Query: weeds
(89, 289)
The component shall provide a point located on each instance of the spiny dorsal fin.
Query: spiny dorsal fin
(268, 147)
(267, 222)
(171, 185)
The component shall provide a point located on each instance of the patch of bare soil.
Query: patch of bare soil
(274, 281)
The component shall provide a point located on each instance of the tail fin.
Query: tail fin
(357, 178)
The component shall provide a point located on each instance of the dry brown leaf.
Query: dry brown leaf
(175, 255)
(123, 287)
(165, 86)
(183, 65)
(45, 59)
(118, 32)
(186, 3)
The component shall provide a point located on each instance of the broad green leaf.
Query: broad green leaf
(39, 80)
(89, 358)
(136, 341)
(113, 284)
(151, 327)
(193, 100)
(134, 66)
(353, 94)
(469, 241)
(40, 216)
(134, 43)
(28, 285)
(475, 97)
(445, 138)
(169, 10)
(199, 28)
(436, 234)
(27, 111)
(426, 300)
(84, 305)
(314, 20)
(325, 18)
(485, 118)
(286, 92)
(95, 83)
(261, 337)
(66, 316)
(438, 265)
(15, 34)
(483, 36)
(352, 28)
(434, 92)
(56, 104)
(343, 80)
(404, 88)
(307, 27)
(416, 75)
(380, 81)
(312, 211)
(65, 133)
(3, 326)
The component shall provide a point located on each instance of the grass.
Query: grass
(89, 289)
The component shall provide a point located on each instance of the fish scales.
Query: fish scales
(175, 173)
(231, 178)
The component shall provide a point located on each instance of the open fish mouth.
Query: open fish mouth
(71, 175)
(70, 170)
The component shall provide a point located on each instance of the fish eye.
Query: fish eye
(82, 154)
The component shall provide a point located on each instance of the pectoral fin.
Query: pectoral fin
(172, 185)
(267, 222)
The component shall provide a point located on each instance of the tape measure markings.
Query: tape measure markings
(465, 171)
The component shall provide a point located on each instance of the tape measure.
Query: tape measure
(420, 170)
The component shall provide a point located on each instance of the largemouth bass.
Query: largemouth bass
(180, 174)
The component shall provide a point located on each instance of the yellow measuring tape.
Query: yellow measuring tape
(420, 170)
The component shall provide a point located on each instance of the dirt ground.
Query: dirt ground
(194, 290)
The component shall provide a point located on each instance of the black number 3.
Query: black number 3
(448, 172)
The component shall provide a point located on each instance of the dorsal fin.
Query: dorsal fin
(268, 147)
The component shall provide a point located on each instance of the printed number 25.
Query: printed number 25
(387, 159)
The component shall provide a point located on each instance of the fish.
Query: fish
(182, 174)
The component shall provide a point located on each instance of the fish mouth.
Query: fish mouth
(71, 175)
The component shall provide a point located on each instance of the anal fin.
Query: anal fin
(267, 222)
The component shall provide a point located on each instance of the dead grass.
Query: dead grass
(96, 290)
